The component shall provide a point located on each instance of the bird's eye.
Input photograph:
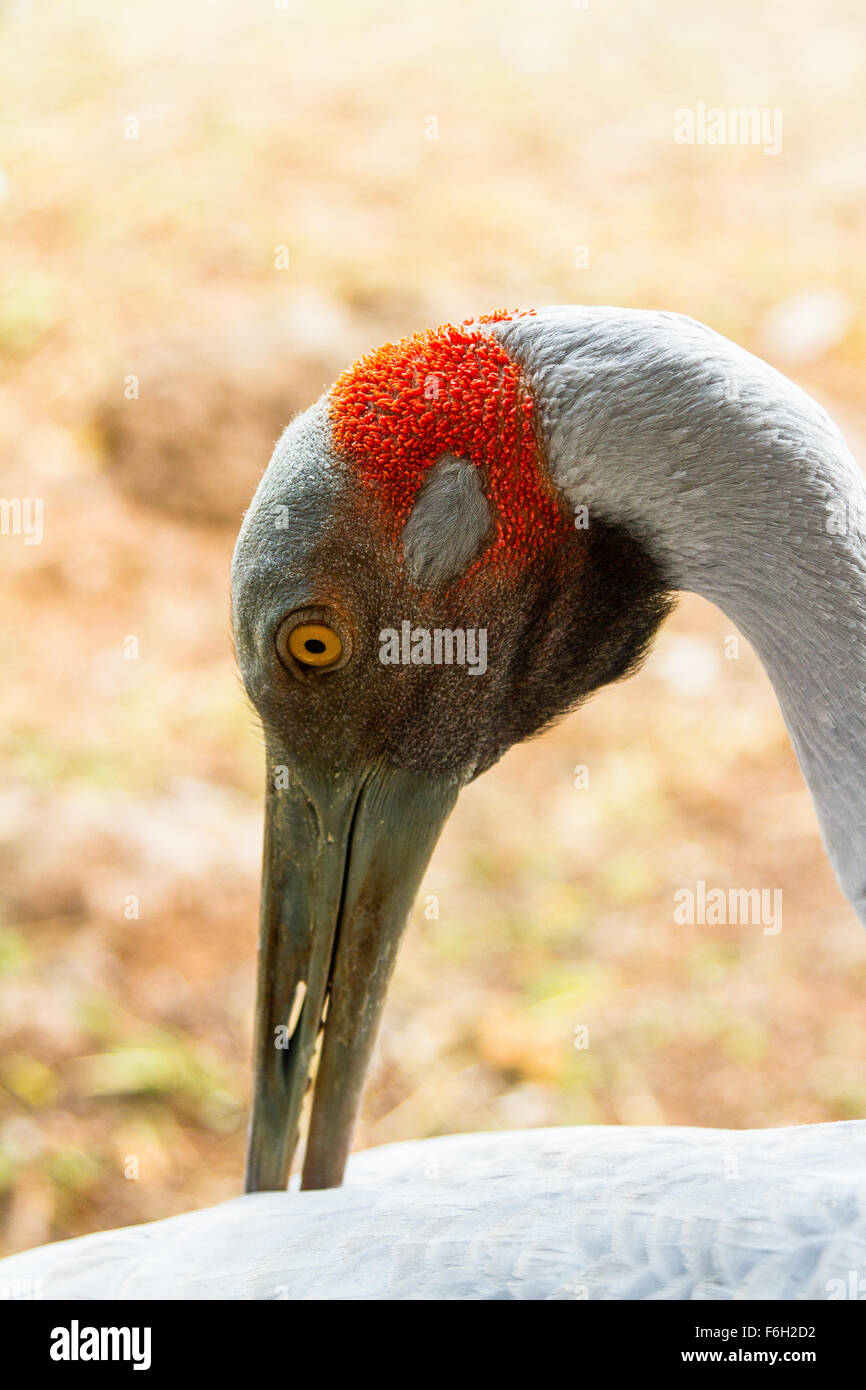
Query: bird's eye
(313, 640)
(315, 644)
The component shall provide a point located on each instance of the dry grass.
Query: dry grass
(155, 257)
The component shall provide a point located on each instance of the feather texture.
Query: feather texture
(591, 1213)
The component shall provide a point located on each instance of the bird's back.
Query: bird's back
(589, 1213)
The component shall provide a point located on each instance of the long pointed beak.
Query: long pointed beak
(343, 859)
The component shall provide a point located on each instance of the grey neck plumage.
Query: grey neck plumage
(745, 491)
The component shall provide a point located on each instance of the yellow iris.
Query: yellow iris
(315, 644)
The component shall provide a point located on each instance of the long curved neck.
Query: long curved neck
(746, 493)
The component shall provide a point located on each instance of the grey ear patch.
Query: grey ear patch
(448, 525)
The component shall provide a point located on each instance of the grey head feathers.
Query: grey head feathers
(743, 490)
(448, 525)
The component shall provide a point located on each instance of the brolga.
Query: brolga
(472, 531)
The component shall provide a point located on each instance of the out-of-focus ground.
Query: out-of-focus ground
(124, 1068)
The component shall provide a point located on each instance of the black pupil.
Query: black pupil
(314, 644)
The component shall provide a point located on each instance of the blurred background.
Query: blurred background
(207, 210)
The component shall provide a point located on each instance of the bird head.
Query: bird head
(411, 596)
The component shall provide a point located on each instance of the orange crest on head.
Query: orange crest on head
(449, 390)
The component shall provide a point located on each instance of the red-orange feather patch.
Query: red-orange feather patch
(448, 390)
